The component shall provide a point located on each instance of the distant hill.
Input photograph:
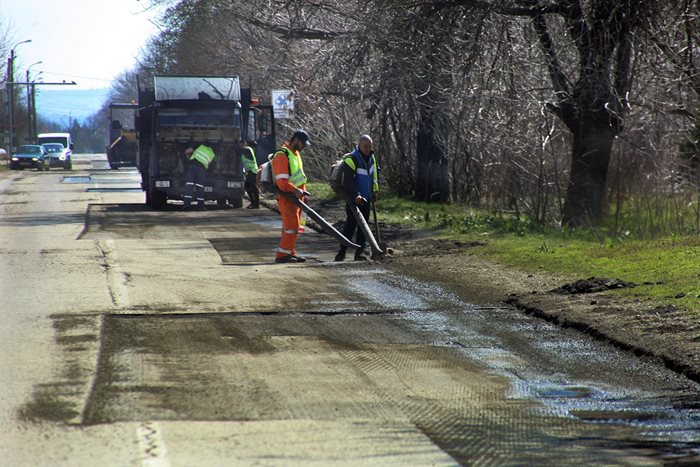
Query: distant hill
(59, 105)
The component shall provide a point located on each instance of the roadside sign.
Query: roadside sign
(283, 103)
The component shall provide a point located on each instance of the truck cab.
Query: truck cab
(122, 149)
(178, 112)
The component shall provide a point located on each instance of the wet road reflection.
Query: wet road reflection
(568, 374)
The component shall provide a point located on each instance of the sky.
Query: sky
(86, 41)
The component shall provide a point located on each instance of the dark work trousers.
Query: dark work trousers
(251, 187)
(351, 225)
(194, 183)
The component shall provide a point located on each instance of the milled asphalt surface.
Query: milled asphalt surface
(132, 337)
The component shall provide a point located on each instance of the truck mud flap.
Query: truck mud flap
(325, 225)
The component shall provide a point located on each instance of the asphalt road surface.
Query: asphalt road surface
(134, 337)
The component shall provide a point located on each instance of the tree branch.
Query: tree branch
(559, 80)
(514, 8)
(296, 33)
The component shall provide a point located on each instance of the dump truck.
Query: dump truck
(123, 149)
(181, 111)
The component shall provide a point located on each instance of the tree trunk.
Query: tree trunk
(432, 176)
(585, 197)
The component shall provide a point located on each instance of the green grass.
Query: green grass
(662, 267)
(320, 191)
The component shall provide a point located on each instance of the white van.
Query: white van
(65, 159)
(63, 138)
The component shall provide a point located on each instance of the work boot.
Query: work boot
(341, 255)
(286, 259)
(298, 259)
(360, 255)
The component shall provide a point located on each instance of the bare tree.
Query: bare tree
(509, 105)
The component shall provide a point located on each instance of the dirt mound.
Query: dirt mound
(433, 247)
(593, 285)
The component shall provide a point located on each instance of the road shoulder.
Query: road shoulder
(665, 333)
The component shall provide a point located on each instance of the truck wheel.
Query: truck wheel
(221, 202)
(236, 202)
(158, 200)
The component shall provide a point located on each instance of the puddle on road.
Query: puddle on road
(569, 374)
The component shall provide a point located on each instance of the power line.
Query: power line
(78, 76)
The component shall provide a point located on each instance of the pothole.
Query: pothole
(76, 179)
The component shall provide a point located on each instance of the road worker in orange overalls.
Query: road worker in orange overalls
(289, 177)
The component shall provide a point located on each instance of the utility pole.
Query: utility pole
(31, 136)
(10, 94)
(34, 124)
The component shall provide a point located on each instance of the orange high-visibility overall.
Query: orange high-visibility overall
(291, 214)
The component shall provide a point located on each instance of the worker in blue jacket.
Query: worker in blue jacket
(361, 183)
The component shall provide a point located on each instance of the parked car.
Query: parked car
(59, 155)
(30, 156)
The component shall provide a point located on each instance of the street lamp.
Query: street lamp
(10, 97)
(31, 137)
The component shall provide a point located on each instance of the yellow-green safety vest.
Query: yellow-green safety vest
(250, 164)
(204, 155)
(297, 177)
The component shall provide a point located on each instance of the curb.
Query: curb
(557, 317)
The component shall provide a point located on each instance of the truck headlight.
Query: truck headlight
(234, 184)
(35, 159)
(15, 159)
(162, 183)
(62, 157)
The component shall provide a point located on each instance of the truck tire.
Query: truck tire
(236, 202)
(158, 200)
(221, 202)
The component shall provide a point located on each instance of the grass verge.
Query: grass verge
(665, 269)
